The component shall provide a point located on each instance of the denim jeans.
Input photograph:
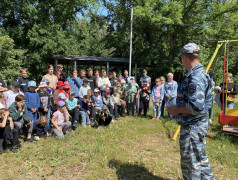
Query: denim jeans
(156, 110)
(230, 105)
(170, 102)
(85, 118)
(64, 127)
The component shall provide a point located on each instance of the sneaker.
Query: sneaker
(138, 116)
(37, 138)
(210, 121)
(30, 140)
(157, 119)
(153, 118)
(14, 149)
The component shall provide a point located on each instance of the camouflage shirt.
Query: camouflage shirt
(194, 93)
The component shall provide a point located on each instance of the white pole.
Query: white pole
(131, 42)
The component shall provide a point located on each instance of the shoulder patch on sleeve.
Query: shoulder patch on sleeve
(192, 89)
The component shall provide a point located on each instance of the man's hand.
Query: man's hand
(78, 106)
(29, 123)
(168, 96)
(88, 112)
(46, 110)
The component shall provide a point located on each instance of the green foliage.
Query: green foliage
(160, 29)
(10, 58)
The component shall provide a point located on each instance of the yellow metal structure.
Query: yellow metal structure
(231, 112)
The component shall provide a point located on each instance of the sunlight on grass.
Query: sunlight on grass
(132, 148)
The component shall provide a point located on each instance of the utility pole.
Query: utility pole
(131, 41)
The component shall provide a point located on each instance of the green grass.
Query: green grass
(131, 149)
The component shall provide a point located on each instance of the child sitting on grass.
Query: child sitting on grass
(119, 107)
(105, 117)
(19, 113)
(8, 135)
(60, 120)
(40, 126)
(98, 103)
(32, 101)
(107, 100)
(73, 108)
(84, 110)
(157, 98)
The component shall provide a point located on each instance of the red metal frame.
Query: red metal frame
(227, 120)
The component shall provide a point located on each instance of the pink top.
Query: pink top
(157, 92)
(60, 118)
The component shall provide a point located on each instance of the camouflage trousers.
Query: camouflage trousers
(194, 160)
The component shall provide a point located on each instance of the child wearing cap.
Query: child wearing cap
(59, 89)
(73, 108)
(130, 91)
(12, 93)
(98, 104)
(105, 117)
(44, 109)
(107, 100)
(84, 110)
(118, 105)
(67, 88)
(84, 88)
(23, 81)
(157, 98)
(60, 120)
(32, 101)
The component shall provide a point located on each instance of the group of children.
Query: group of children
(28, 109)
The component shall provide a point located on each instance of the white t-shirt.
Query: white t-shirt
(10, 97)
(1, 105)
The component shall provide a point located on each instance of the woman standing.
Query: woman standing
(51, 77)
(103, 82)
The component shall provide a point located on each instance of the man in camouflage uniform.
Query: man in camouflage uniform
(194, 99)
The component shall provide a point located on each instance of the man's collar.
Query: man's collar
(197, 66)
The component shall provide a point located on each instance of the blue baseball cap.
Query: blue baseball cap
(31, 83)
(61, 103)
(190, 48)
